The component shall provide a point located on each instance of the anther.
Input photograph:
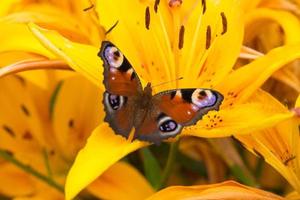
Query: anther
(156, 5)
(147, 18)
(204, 6)
(224, 22)
(208, 37)
(181, 37)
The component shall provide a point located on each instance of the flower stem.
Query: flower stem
(7, 156)
(169, 165)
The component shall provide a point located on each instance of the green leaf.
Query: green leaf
(151, 168)
(242, 177)
(54, 97)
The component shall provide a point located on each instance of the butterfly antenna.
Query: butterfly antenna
(177, 79)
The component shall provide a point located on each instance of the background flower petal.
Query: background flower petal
(75, 114)
(229, 190)
(246, 80)
(102, 150)
(121, 181)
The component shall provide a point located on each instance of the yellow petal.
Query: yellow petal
(245, 80)
(17, 37)
(50, 17)
(121, 181)
(239, 118)
(102, 150)
(82, 58)
(297, 105)
(76, 114)
(229, 190)
(6, 6)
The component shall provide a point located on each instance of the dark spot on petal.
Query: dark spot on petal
(25, 110)
(71, 123)
(52, 152)
(286, 162)
(147, 18)
(224, 22)
(9, 130)
(208, 37)
(27, 135)
(181, 37)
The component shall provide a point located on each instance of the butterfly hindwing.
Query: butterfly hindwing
(122, 87)
(171, 110)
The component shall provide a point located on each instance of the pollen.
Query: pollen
(212, 120)
(175, 3)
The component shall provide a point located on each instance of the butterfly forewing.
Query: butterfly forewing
(122, 87)
(119, 76)
(187, 106)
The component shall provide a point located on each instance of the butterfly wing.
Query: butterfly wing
(122, 87)
(171, 110)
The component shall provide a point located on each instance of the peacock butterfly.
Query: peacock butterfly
(154, 117)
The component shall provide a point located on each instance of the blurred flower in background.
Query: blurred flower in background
(233, 46)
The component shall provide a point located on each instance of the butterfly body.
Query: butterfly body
(154, 117)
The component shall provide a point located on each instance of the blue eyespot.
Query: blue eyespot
(168, 127)
(115, 101)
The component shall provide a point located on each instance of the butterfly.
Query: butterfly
(154, 117)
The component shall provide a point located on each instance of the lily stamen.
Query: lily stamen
(33, 65)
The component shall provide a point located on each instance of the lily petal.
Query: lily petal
(120, 181)
(50, 17)
(229, 190)
(246, 80)
(90, 65)
(101, 140)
